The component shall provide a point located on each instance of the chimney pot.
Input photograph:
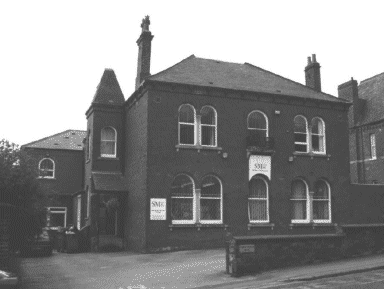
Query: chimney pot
(309, 60)
(314, 58)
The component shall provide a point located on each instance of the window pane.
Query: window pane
(208, 135)
(187, 134)
(321, 191)
(258, 189)
(46, 164)
(211, 187)
(107, 148)
(315, 143)
(208, 116)
(182, 186)
(317, 126)
(108, 133)
(257, 120)
(56, 220)
(299, 190)
(186, 114)
(300, 124)
(300, 137)
(182, 208)
(210, 209)
(300, 148)
(299, 210)
(320, 210)
(258, 210)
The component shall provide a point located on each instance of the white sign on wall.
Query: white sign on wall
(259, 165)
(158, 209)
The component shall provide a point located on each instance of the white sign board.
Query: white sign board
(259, 165)
(158, 209)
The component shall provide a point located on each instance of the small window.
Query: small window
(318, 135)
(321, 202)
(47, 168)
(258, 124)
(108, 142)
(182, 200)
(301, 134)
(300, 201)
(372, 139)
(56, 217)
(211, 200)
(208, 126)
(258, 207)
(187, 124)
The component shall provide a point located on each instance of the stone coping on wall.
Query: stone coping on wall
(197, 226)
(272, 237)
(362, 225)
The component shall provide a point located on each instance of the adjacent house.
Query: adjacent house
(366, 128)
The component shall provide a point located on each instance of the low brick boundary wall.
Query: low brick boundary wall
(249, 254)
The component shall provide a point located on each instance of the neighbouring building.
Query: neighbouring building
(208, 147)
(366, 128)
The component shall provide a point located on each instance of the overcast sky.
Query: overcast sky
(53, 53)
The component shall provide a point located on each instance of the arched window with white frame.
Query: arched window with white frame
(108, 142)
(318, 135)
(322, 202)
(208, 125)
(257, 123)
(187, 125)
(301, 134)
(211, 200)
(47, 168)
(300, 201)
(258, 200)
(183, 203)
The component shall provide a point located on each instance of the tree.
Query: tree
(19, 190)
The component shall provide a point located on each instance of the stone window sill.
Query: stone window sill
(108, 158)
(261, 225)
(198, 148)
(311, 155)
(197, 226)
(313, 225)
(42, 178)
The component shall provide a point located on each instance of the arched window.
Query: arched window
(322, 202)
(258, 124)
(183, 200)
(47, 168)
(318, 135)
(301, 134)
(208, 126)
(258, 206)
(108, 142)
(187, 124)
(300, 201)
(211, 200)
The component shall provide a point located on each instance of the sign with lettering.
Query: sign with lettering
(247, 248)
(259, 165)
(158, 209)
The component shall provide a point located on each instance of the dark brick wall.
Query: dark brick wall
(165, 162)
(136, 143)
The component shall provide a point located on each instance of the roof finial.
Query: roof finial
(145, 24)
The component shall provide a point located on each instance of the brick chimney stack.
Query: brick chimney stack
(349, 91)
(144, 59)
(312, 74)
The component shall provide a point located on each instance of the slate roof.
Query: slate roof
(372, 90)
(108, 91)
(67, 140)
(105, 181)
(236, 76)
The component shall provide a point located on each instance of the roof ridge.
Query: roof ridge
(369, 78)
(270, 72)
(156, 74)
(219, 60)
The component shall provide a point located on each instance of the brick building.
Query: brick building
(208, 147)
(366, 128)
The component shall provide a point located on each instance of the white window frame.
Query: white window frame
(306, 133)
(372, 145)
(188, 123)
(200, 140)
(193, 221)
(78, 212)
(260, 129)
(319, 135)
(108, 141)
(215, 198)
(307, 203)
(329, 220)
(50, 170)
(88, 201)
(263, 199)
(56, 210)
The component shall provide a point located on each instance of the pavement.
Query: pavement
(184, 269)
